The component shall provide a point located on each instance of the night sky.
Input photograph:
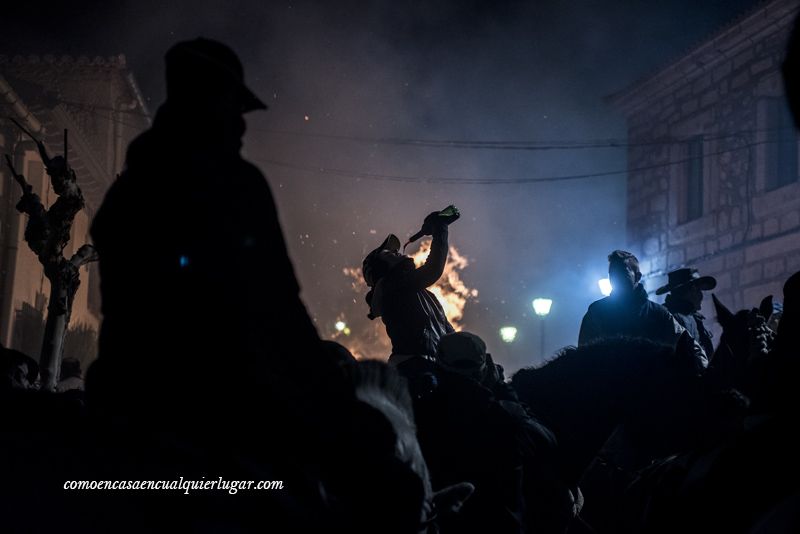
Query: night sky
(346, 80)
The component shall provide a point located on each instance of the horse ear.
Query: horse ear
(765, 308)
(724, 315)
(450, 499)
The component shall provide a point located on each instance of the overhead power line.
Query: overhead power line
(487, 180)
(518, 145)
(515, 145)
(349, 173)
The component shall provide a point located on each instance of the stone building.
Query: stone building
(713, 162)
(99, 103)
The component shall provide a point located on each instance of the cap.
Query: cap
(462, 352)
(193, 65)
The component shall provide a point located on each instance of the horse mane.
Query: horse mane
(616, 353)
(384, 389)
(377, 384)
(611, 364)
(586, 392)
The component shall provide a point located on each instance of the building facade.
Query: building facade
(98, 102)
(713, 162)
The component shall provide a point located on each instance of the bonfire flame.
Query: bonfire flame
(452, 293)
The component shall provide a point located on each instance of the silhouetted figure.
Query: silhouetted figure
(71, 376)
(194, 268)
(199, 292)
(775, 318)
(414, 318)
(585, 393)
(749, 483)
(384, 471)
(788, 338)
(18, 371)
(471, 427)
(791, 73)
(782, 365)
(685, 296)
(465, 354)
(628, 312)
(745, 353)
(338, 353)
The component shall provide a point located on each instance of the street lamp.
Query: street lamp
(542, 308)
(605, 286)
(342, 327)
(508, 334)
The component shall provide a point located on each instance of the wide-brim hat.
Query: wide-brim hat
(680, 278)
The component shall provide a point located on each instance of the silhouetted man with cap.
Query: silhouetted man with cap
(195, 275)
(471, 426)
(685, 287)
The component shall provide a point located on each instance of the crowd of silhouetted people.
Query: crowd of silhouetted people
(209, 366)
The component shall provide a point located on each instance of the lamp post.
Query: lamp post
(541, 307)
(508, 334)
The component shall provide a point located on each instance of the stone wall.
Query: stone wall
(748, 237)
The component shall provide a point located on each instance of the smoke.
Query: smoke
(450, 70)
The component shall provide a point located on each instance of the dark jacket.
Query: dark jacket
(196, 281)
(692, 321)
(414, 318)
(634, 315)
(471, 433)
(629, 315)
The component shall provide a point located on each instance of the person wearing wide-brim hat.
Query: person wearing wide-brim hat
(685, 295)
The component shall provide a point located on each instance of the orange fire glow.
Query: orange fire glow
(369, 339)
(450, 290)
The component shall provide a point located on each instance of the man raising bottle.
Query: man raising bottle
(414, 319)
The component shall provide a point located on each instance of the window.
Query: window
(692, 190)
(781, 145)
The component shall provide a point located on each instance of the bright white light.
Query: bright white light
(508, 333)
(605, 286)
(542, 306)
(340, 326)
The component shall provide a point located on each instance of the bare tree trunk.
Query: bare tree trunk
(47, 232)
(55, 330)
(64, 281)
